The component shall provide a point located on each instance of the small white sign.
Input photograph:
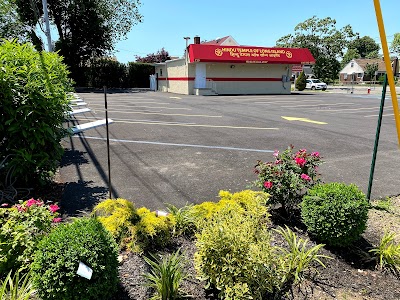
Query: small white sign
(161, 213)
(84, 271)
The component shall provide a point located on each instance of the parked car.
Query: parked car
(315, 84)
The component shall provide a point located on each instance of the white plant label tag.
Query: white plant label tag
(84, 271)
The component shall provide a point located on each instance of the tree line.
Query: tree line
(327, 44)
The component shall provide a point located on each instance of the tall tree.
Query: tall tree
(370, 70)
(161, 56)
(349, 55)
(325, 42)
(87, 28)
(364, 46)
(395, 45)
(11, 26)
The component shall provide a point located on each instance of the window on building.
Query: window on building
(352, 64)
(345, 76)
(359, 75)
(160, 72)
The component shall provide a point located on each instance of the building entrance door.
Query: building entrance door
(200, 80)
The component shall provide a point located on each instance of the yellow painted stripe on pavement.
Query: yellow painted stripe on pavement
(304, 120)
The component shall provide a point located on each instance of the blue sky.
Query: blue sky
(255, 23)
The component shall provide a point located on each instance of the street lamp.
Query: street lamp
(186, 54)
(352, 83)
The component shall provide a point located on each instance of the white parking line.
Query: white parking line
(157, 107)
(178, 145)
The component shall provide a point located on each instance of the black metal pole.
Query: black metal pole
(108, 144)
(378, 131)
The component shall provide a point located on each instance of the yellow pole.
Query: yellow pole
(389, 71)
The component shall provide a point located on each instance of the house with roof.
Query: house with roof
(222, 66)
(355, 70)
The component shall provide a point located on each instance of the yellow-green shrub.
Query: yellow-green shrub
(232, 248)
(151, 230)
(118, 217)
(244, 201)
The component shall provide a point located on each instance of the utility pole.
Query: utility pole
(46, 21)
(186, 53)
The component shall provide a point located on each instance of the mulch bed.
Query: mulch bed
(351, 274)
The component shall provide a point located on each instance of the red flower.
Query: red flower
(54, 207)
(316, 154)
(268, 184)
(305, 177)
(20, 208)
(56, 220)
(276, 153)
(31, 202)
(300, 161)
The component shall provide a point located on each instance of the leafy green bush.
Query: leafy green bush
(21, 229)
(301, 82)
(387, 253)
(58, 256)
(17, 286)
(166, 276)
(33, 93)
(288, 177)
(118, 216)
(335, 213)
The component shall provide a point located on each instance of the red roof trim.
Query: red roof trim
(242, 79)
(176, 78)
(245, 54)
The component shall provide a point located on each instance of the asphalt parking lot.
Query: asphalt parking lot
(178, 149)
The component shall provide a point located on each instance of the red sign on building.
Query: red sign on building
(244, 54)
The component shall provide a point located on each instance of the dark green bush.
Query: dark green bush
(335, 213)
(58, 256)
(106, 72)
(33, 103)
(301, 82)
(138, 75)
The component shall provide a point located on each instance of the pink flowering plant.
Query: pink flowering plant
(22, 226)
(288, 177)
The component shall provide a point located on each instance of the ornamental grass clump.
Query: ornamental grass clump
(387, 253)
(166, 276)
(22, 227)
(17, 286)
(335, 213)
(60, 253)
(288, 177)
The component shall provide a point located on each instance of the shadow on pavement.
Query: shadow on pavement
(80, 197)
(73, 157)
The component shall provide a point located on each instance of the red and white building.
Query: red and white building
(224, 67)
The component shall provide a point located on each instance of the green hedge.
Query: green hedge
(113, 74)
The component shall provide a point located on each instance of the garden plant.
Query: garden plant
(335, 213)
(288, 177)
